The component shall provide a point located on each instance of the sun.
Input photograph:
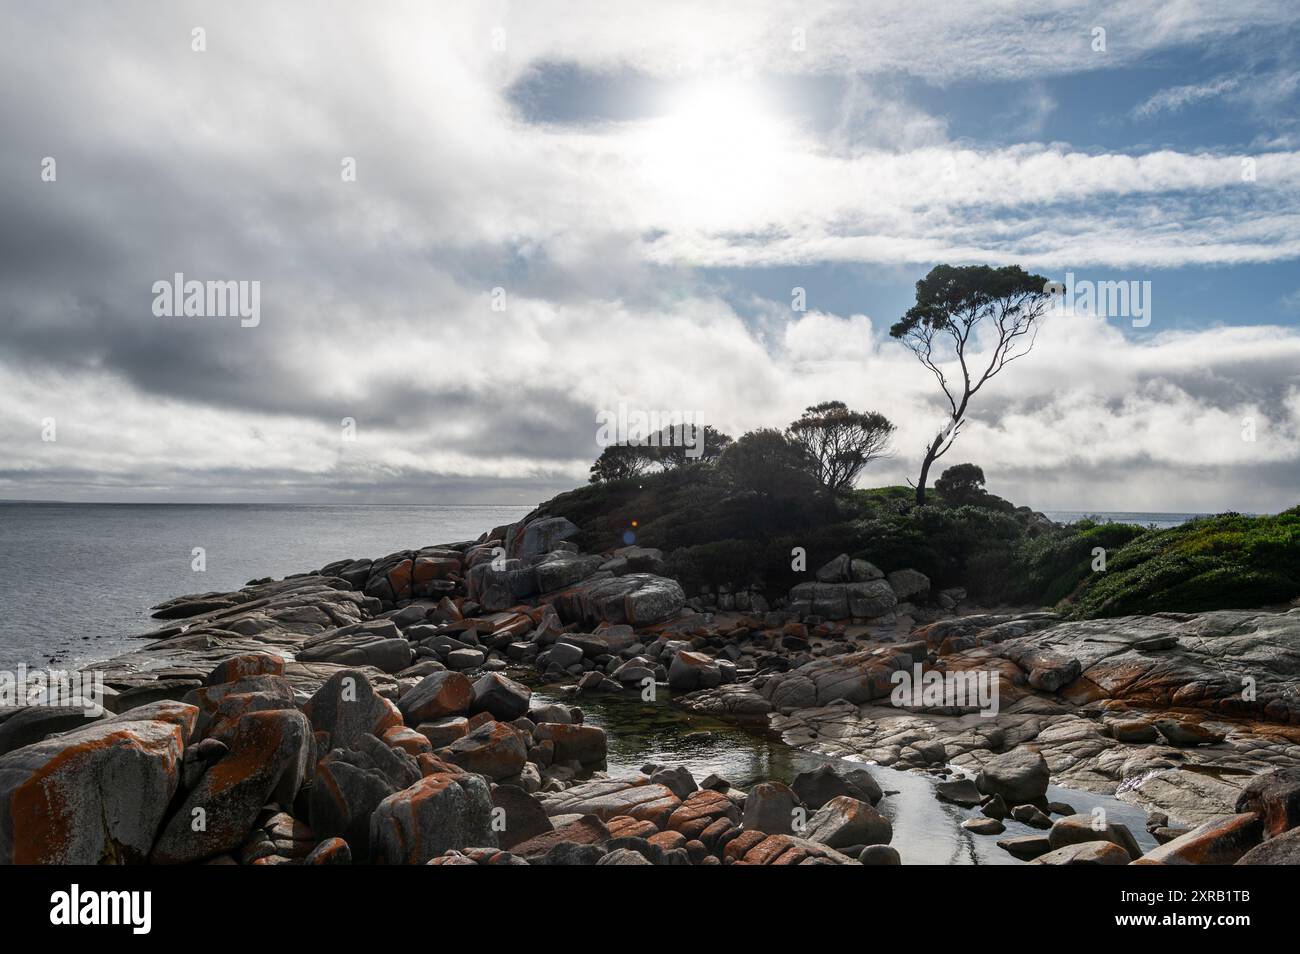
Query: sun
(713, 142)
(717, 115)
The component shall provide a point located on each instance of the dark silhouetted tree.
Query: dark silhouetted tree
(840, 442)
(769, 462)
(670, 449)
(961, 484)
(619, 461)
(956, 307)
(676, 448)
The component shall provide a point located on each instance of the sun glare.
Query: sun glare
(715, 140)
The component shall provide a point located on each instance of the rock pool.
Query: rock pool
(926, 830)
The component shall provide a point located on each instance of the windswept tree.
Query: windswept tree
(619, 461)
(680, 445)
(978, 317)
(840, 442)
(672, 447)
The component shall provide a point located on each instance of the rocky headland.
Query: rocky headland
(381, 711)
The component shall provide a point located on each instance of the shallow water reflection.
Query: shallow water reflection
(926, 830)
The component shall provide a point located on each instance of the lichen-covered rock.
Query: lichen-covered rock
(245, 665)
(349, 785)
(585, 743)
(438, 813)
(504, 698)
(1282, 850)
(437, 696)
(784, 850)
(699, 811)
(1220, 842)
(1085, 853)
(561, 569)
(585, 830)
(34, 723)
(910, 585)
(1275, 797)
(845, 821)
(690, 671)
(854, 677)
(347, 707)
(494, 749)
(870, 598)
(838, 570)
(639, 599)
(270, 754)
(608, 798)
(247, 694)
(331, 851)
(96, 795)
(408, 740)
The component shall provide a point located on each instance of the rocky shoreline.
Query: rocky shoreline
(374, 711)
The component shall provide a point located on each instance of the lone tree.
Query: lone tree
(840, 442)
(961, 484)
(958, 310)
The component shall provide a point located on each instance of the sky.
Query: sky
(474, 227)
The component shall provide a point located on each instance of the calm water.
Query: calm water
(926, 830)
(77, 580)
(1161, 520)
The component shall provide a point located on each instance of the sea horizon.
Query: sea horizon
(1077, 513)
(62, 618)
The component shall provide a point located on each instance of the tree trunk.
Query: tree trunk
(930, 453)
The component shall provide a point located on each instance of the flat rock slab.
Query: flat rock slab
(607, 798)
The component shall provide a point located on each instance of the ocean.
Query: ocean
(1161, 520)
(77, 580)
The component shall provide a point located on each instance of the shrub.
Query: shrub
(1224, 562)
(961, 484)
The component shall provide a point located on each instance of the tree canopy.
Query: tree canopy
(838, 442)
(960, 310)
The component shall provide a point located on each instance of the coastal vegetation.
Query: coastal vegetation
(737, 522)
(975, 317)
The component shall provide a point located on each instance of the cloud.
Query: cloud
(1176, 98)
(377, 294)
(1086, 402)
(931, 39)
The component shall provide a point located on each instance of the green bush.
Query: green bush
(1224, 562)
(714, 533)
(1052, 566)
